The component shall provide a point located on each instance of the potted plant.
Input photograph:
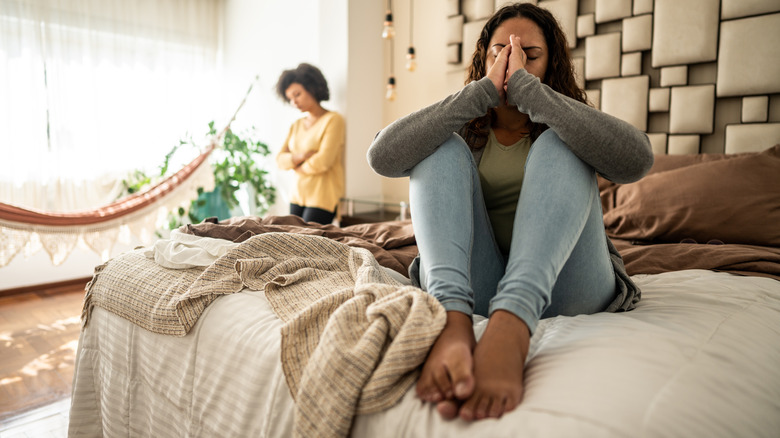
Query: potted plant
(237, 162)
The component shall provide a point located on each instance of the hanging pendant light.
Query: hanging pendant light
(411, 63)
(390, 94)
(388, 31)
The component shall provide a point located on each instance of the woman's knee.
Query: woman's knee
(549, 148)
(452, 155)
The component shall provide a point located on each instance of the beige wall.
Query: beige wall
(430, 82)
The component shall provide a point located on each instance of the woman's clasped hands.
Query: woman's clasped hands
(511, 58)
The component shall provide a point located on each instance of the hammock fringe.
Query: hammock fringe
(99, 229)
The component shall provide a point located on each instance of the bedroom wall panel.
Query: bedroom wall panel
(638, 33)
(749, 56)
(631, 64)
(751, 137)
(746, 8)
(683, 144)
(566, 13)
(755, 109)
(685, 32)
(477, 9)
(602, 56)
(658, 100)
(643, 7)
(610, 10)
(671, 76)
(586, 25)
(691, 109)
(626, 99)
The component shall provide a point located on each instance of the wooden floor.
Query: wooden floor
(39, 333)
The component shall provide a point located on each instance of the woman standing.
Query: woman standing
(506, 209)
(314, 148)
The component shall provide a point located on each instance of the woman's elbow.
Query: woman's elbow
(640, 163)
(378, 162)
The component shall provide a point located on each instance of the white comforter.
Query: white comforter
(700, 356)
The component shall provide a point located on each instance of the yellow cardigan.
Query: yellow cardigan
(320, 179)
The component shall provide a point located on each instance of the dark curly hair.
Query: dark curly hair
(309, 76)
(560, 72)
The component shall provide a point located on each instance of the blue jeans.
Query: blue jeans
(558, 263)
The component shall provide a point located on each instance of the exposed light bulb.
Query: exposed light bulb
(388, 31)
(411, 64)
(390, 94)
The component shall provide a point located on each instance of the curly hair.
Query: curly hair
(560, 72)
(309, 76)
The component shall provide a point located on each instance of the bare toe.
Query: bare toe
(448, 409)
(447, 371)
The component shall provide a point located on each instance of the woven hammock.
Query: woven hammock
(140, 214)
(58, 233)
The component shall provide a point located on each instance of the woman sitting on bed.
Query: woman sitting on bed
(490, 248)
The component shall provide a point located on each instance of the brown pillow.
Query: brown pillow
(662, 163)
(735, 200)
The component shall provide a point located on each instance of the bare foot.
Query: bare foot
(499, 358)
(448, 370)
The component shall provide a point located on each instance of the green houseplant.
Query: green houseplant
(237, 162)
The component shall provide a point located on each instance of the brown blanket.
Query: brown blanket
(394, 246)
(760, 261)
(391, 243)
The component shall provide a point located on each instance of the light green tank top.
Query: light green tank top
(501, 171)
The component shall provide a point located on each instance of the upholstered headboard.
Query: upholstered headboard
(699, 76)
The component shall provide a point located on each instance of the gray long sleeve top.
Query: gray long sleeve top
(614, 148)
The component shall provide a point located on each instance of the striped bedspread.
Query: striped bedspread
(353, 338)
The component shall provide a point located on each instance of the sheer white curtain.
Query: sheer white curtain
(91, 89)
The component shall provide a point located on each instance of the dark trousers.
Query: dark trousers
(313, 214)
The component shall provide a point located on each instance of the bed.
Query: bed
(275, 327)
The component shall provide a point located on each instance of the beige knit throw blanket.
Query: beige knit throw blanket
(353, 338)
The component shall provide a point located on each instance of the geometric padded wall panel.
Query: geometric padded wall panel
(643, 7)
(602, 56)
(692, 109)
(751, 138)
(671, 76)
(755, 109)
(471, 31)
(586, 26)
(631, 64)
(685, 32)
(659, 100)
(740, 70)
(745, 8)
(609, 10)
(683, 144)
(626, 99)
(455, 29)
(637, 33)
(477, 9)
(565, 11)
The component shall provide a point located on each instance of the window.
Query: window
(90, 90)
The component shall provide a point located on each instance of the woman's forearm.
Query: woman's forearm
(616, 149)
(407, 141)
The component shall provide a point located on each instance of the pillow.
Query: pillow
(735, 200)
(661, 163)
